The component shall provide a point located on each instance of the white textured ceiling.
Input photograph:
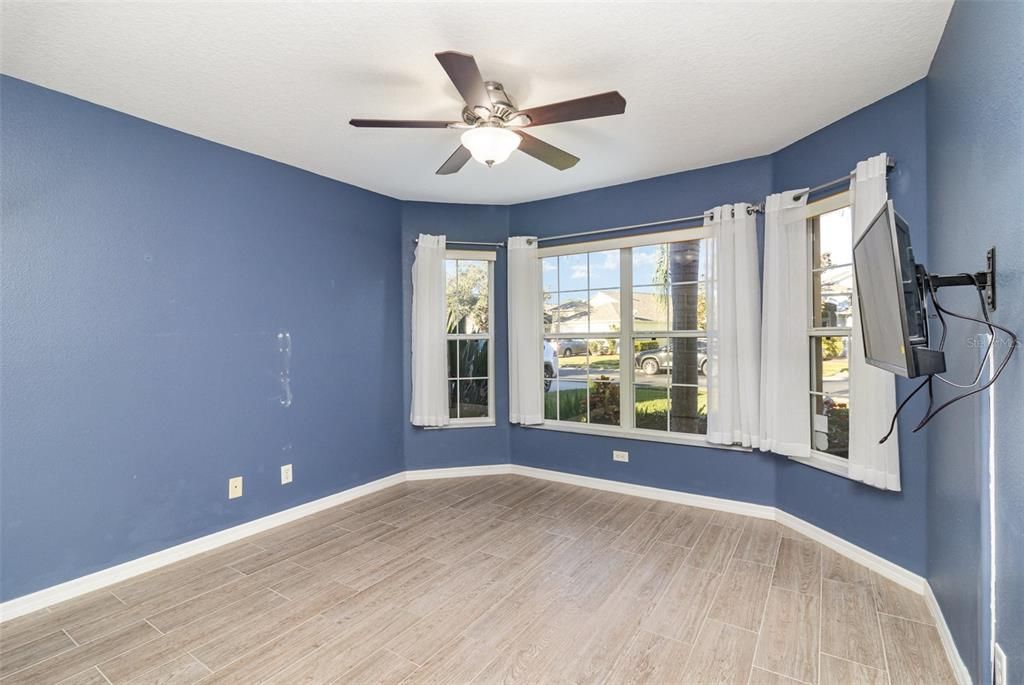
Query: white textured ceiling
(705, 83)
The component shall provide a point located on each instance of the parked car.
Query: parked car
(655, 361)
(550, 364)
(571, 347)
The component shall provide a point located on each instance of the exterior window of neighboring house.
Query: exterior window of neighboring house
(469, 278)
(625, 336)
(830, 236)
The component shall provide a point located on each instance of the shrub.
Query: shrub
(838, 429)
(831, 347)
(604, 402)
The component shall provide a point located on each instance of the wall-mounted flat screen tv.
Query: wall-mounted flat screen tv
(890, 299)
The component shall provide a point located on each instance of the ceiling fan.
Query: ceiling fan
(491, 123)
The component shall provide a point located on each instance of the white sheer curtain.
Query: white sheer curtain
(525, 346)
(785, 364)
(429, 344)
(733, 322)
(872, 390)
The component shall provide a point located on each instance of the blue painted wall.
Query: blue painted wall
(430, 449)
(889, 524)
(976, 179)
(707, 471)
(145, 276)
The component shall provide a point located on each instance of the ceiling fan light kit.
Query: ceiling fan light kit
(490, 144)
(489, 119)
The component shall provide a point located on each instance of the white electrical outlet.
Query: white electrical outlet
(234, 487)
(999, 667)
(286, 474)
(619, 455)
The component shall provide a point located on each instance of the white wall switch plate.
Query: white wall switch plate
(286, 474)
(619, 455)
(999, 667)
(234, 487)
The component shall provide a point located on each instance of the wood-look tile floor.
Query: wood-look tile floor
(485, 580)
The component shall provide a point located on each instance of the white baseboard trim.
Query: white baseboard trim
(94, 581)
(717, 503)
(40, 599)
(883, 567)
(963, 676)
(879, 565)
(54, 594)
(459, 472)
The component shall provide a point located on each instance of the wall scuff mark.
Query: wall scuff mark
(284, 348)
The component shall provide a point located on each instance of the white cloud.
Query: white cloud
(646, 257)
(610, 262)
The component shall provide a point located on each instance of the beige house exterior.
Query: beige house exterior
(650, 312)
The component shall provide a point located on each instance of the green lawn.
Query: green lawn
(597, 361)
(834, 367)
(650, 402)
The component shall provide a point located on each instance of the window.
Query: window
(830, 247)
(669, 336)
(625, 340)
(470, 298)
(582, 317)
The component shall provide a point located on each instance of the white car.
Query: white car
(550, 364)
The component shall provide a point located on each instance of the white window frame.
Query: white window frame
(489, 257)
(818, 459)
(627, 370)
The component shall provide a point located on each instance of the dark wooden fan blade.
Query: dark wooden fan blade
(464, 73)
(455, 162)
(549, 154)
(591, 107)
(397, 123)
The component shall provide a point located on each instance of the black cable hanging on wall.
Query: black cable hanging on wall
(932, 284)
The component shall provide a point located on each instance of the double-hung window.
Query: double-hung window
(830, 320)
(625, 336)
(470, 298)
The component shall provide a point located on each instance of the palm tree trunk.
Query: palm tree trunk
(683, 267)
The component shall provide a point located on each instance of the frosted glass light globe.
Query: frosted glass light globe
(490, 145)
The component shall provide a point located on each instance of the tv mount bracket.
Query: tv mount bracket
(985, 280)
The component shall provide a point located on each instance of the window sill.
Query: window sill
(464, 423)
(829, 463)
(635, 434)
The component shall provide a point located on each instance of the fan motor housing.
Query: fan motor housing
(502, 107)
